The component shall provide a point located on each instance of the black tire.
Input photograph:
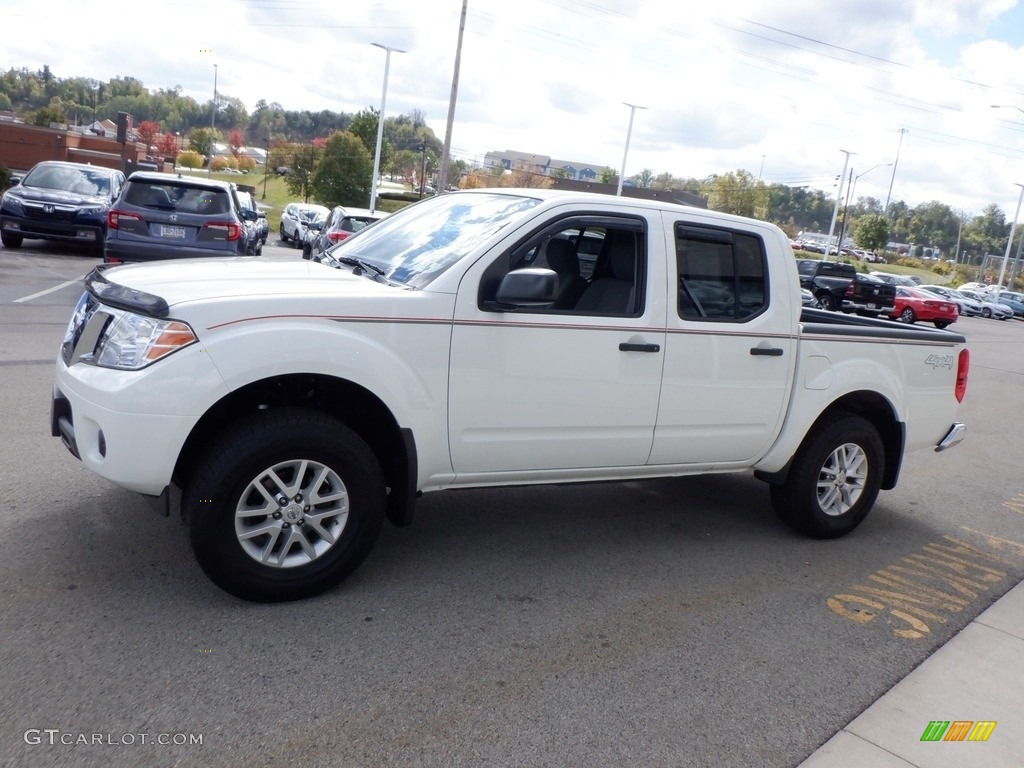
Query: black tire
(940, 324)
(827, 301)
(11, 241)
(315, 456)
(819, 502)
(907, 316)
(986, 312)
(284, 237)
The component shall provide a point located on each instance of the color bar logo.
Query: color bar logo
(958, 730)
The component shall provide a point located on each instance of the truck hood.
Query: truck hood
(188, 280)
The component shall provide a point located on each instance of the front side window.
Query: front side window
(599, 262)
(721, 274)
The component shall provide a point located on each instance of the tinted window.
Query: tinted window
(721, 274)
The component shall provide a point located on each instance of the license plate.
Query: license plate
(169, 231)
(872, 305)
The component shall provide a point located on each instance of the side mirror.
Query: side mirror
(249, 215)
(316, 225)
(533, 287)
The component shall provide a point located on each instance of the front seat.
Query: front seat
(561, 257)
(612, 292)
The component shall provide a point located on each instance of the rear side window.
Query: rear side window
(176, 197)
(721, 274)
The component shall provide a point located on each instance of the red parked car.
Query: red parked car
(913, 304)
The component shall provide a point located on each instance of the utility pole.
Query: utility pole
(442, 174)
(892, 178)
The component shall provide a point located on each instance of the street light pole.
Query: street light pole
(1009, 242)
(839, 195)
(629, 131)
(380, 124)
(213, 118)
(266, 168)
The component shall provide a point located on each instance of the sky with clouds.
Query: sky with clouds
(777, 89)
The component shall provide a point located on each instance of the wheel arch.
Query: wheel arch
(868, 405)
(354, 405)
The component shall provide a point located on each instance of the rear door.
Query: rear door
(730, 348)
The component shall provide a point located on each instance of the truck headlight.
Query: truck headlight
(131, 342)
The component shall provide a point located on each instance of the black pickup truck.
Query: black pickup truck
(836, 285)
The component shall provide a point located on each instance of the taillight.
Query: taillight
(114, 217)
(962, 367)
(231, 230)
(336, 236)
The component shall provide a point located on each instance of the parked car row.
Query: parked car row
(149, 216)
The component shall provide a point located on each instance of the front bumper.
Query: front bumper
(87, 233)
(137, 449)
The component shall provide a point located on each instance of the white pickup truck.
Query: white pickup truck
(485, 338)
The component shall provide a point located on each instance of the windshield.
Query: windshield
(80, 181)
(417, 244)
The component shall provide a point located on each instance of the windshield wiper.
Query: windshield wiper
(361, 265)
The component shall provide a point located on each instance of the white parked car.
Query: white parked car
(989, 306)
(294, 219)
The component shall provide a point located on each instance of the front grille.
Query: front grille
(55, 213)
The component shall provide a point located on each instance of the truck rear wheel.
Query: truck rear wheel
(284, 506)
(834, 479)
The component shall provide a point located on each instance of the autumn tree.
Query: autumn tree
(236, 141)
(167, 145)
(147, 131)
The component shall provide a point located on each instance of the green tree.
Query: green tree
(299, 178)
(344, 172)
(51, 113)
(608, 176)
(364, 127)
(738, 192)
(201, 140)
(871, 231)
(644, 179)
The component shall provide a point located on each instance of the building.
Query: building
(22, 146)
(582, 177)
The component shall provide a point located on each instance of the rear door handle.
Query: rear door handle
(766, 351)
(630, 346)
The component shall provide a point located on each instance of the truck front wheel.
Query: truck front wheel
(284, 506)
(834, 479)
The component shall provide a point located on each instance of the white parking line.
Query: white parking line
(48, 290)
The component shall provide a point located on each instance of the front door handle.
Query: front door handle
(630, 346)
(766, 351)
